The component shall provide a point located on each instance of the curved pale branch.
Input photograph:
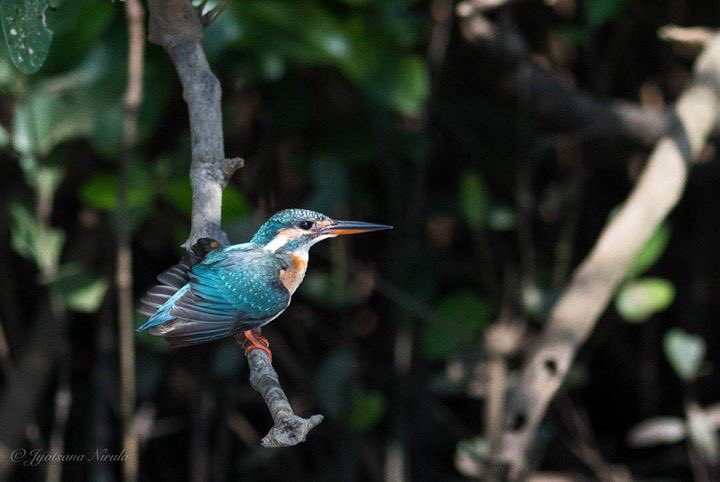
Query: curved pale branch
(594, 282)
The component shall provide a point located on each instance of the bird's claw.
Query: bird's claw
(252, 340)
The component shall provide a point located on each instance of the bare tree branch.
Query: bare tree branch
(691, 36)
(177, 27)
(557, 103)
(132, 100)
(596, 279)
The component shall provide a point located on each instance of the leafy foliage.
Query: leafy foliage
(79, 290)
(359, 43)
(24, 23)
(637, 300)
(651, 252)
(35, 240)
(685, 352)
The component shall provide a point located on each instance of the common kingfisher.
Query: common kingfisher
(217, 292)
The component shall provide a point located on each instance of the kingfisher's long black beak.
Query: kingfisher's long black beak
(353, 227)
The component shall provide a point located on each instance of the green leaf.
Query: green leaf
(409, 85)
(401, 84)
(78, 29)
(100, 192)
(303, 31)
(366, 408)
(372, 49)
(637, 300)
(58, 118)
(79, 290)
(35, 241)
(600, 11)
(651, 252)
(474, 200)
(685, 352)
(56, 109)
(24, 231)
(457, 320)
(26, 33)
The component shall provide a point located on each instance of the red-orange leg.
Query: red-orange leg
(255, 341)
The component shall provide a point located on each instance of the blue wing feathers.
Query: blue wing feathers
(230, 290)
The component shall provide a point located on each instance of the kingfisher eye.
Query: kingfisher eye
(306, 225)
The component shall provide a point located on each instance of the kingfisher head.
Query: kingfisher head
(298, 229)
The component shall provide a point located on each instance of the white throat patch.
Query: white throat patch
(278, 242)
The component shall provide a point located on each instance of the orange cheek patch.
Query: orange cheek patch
(293, 276)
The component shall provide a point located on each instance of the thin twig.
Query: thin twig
(441, 11)
(63, 403)
(584, 445)
(691, 36)
(131, 103)
(574, 316)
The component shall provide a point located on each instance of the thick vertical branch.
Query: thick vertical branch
(131, 104)
(177, 27)
(596, 279)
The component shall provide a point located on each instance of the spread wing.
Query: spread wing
(228, 291)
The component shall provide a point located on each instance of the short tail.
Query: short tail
(172, 282)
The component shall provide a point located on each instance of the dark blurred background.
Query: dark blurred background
(377, 110)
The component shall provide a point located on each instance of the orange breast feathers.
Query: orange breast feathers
(294, 274)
